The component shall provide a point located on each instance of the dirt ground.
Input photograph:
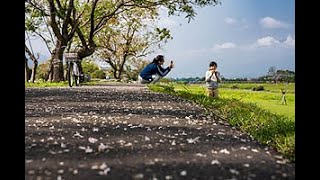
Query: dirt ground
(127, 132)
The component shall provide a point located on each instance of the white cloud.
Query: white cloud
(226, 45)
(263, 42)
(290, 41)
(267, 41)
(269, 22)
(230, 20)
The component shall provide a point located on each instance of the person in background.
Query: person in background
(154, 71)
(213, 79)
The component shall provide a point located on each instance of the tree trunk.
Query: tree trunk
(35, 62)
(57, 63)
(26, 72)
(48, 75)
(49, 72)
(119, 74)
(115, 75)
(57, 71)
(34, 71)
(122, 66)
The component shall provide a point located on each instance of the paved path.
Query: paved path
(128, 132)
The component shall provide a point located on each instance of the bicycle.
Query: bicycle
(73, 69)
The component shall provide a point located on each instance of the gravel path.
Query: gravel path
(127, 132)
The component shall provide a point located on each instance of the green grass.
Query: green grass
(268, 99)
(46, 84)
(58, 84)
(271, 87)
(274, 129)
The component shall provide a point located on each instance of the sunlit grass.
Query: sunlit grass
(58, 84)
(272, 87)
(246, 110)
(269, 99)
(46, 84)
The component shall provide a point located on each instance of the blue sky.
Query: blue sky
(245, 38)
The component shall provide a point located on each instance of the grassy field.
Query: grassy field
(269, 99)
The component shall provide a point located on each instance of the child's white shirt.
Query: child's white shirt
(212, 79)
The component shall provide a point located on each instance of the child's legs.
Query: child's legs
(210, 92)
(215, 93)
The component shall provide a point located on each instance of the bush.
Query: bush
(99, 74)
(235, 87)
(258, 88)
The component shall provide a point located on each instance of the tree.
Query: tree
(85, 19)
(279, 75)
(130, 38)
(26, 70)
(134, 67)
(35, 65)
(272, 73)
(285, 75)
(100, 13)
(42, 70)
(89, 67)
(61, 17)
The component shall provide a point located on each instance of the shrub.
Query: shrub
(258, 88)
(99, 74)
(235, 87)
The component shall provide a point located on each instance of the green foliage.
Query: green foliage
(163, 34)
(92, 69)
(268, 128)
(42, 70)
(99, 74)
(89, 67)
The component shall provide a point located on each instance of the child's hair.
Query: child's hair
(212, 63)
(158, 59)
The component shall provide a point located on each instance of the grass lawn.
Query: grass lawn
(270, 99)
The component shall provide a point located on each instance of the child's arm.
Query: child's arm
(219, 80)
(209, 74)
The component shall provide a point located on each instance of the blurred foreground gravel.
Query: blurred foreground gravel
(127, 132)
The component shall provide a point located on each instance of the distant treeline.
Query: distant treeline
(273, 76)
